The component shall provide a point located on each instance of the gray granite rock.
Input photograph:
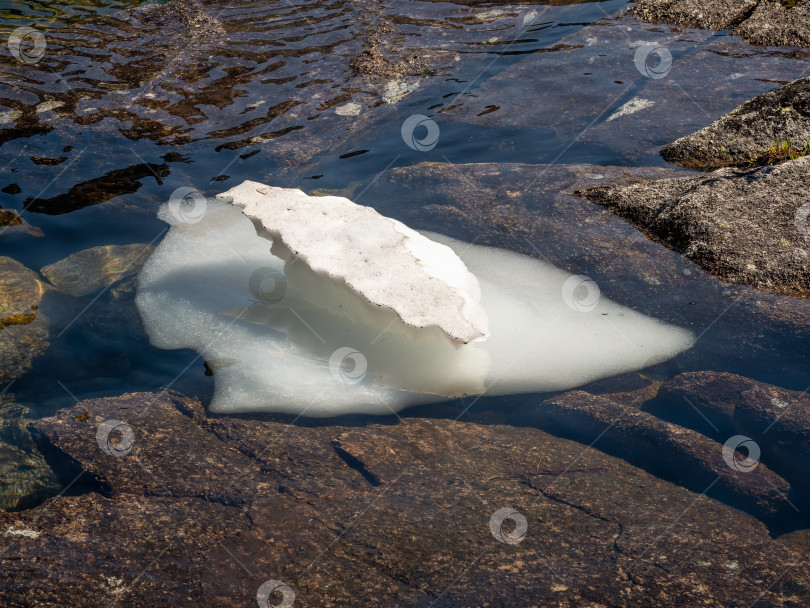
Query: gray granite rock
(757, 132)
(778, 22)
(706, 14)
(763, 22)
(745, 227)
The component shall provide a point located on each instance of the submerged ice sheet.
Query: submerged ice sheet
(293, 340)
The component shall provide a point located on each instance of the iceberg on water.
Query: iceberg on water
(318, 306)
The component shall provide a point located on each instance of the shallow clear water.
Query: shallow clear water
(145, 110)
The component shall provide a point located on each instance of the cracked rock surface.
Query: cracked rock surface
(202, 510)
(763, 22)
(746, 136)
(744, 227)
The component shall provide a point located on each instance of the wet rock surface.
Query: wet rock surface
(757, 132)
(314, 500)
(630, 90)
(745, 227)
(763, 22)
(722, 404)
(88, 271)
(24, 332)
(667, 450)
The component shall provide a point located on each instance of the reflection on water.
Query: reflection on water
(48, 15)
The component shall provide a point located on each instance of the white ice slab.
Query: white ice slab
(376, 257)
(280, 345)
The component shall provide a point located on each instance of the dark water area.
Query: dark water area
(122, 106)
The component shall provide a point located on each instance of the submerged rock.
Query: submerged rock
(668, 450)
(745, 227)
(24, 332)
(764, 22)
(765, 130)
(25, 477)
(11, 222)
(385, 514)
(618, 103)
(721, 404)
(84, 272)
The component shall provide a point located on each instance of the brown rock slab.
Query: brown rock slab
(720, 404)
(750, 134)
(139, 444)
(676, 453)
(745, 227)
(86, 271)
(24, 332)
(598, 530)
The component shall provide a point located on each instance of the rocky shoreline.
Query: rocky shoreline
(193, 508)
(745, 225)
(762, 22)
(639, 495)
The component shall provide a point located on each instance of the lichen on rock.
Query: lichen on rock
(24, 331)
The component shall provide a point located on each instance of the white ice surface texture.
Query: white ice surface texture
(300, 342)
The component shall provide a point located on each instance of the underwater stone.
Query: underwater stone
(25, 477)
(87, 271)
(24, 332)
